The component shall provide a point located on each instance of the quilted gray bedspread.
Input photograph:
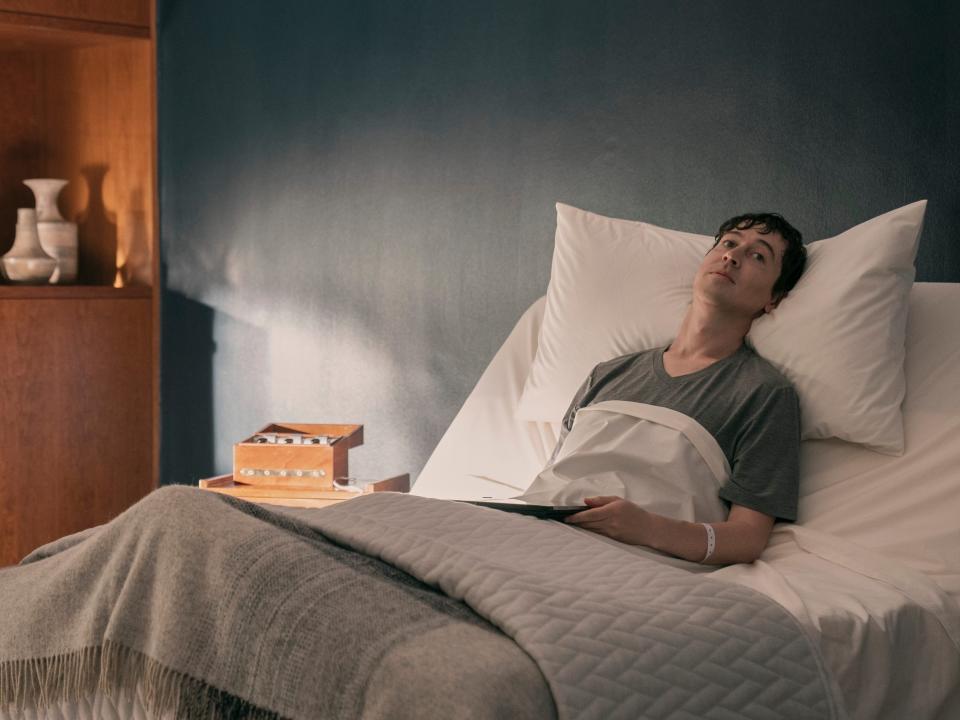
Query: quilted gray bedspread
(616, 635)
(222, 609)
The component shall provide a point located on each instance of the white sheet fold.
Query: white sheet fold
(660, 459)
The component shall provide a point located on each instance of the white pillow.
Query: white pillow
(619, 286)
(616, 286)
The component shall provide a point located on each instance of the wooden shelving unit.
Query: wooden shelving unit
(73, 292)
(79, 369)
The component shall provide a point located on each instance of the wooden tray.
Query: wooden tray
(305, 497)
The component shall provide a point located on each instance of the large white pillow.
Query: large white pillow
(619, 286)
(616, 286)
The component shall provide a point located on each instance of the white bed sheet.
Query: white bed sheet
(873, 567)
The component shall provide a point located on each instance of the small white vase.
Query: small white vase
(26, 263)
(57, 236)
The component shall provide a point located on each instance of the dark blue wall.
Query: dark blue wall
(357, 195)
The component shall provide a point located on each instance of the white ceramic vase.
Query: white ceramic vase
(26, 263)
(58, 237)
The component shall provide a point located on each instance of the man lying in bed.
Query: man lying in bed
(709, 374)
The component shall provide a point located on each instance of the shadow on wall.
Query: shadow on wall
(98, 260)
(186, 374)
(133, 243)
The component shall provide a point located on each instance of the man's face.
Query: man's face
(738, 274)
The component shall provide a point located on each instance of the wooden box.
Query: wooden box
(295, 455)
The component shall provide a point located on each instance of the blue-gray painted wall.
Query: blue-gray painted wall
(357, 195)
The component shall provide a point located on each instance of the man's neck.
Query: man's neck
(707, 335)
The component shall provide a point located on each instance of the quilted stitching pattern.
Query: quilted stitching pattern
(616, 635)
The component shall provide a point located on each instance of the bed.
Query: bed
(872, 568)
(206, 606)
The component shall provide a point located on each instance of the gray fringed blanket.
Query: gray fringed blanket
(217, 608)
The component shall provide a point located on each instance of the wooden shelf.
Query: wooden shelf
(63, 292)
(78, 103)
(20, 30)
(80, 415)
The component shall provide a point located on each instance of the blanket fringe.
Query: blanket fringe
(119, 673)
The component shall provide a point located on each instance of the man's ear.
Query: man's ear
(774, 301)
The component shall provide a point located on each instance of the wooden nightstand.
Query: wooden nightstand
(299, 497)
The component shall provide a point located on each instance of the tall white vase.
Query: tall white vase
(26, 263)
(57, 236)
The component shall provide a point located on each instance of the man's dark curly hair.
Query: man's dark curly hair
(795, 255)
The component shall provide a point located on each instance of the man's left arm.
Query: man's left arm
(741, 538)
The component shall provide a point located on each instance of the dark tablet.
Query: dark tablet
(544, 512)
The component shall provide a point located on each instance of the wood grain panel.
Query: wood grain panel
(21, 143)
(77, 416)
(120, 12)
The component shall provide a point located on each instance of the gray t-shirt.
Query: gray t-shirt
(750, 409)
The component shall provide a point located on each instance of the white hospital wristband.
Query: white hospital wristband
(711, 541)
